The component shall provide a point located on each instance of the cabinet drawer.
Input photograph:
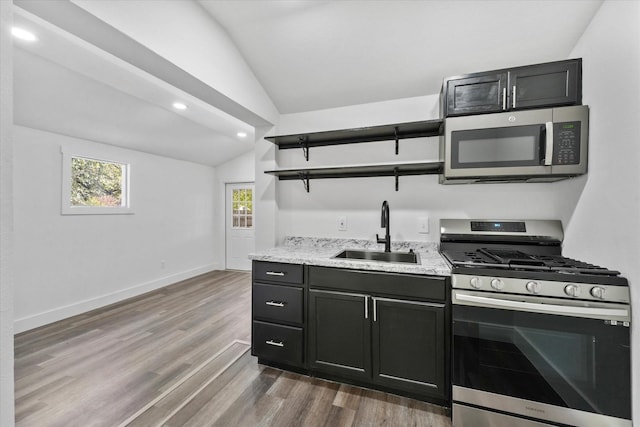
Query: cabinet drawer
(277, 303)
(277, 343)
(277, 272)
(379, 283)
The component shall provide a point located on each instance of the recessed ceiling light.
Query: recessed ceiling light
(179, 106)
(241, 134)
(21, 34)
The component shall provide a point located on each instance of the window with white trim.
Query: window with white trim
(94, 185)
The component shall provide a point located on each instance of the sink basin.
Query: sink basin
(405, 257)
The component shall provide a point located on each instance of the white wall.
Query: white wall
(6, 216)
(605, 227)
(193, 41)
(316, 213)
(68, 264)
(600, 211)
(240, 169)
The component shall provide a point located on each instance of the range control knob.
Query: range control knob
(533, 287)
(475, 282)
(572, 290)
(597, 292)
(497, 284)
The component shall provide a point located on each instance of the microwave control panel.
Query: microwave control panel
(566, 143)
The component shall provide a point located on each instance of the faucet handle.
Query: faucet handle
(379, 240)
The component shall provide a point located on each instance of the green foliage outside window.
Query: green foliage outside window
(242, 208)
(96, 183)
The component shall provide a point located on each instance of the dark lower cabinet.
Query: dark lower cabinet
(278, 343)
(387, 331)
(339, 331)
(278, 314)
(357, 333)
(409, 345)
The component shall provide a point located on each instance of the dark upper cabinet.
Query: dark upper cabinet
(485, 93)
(555, 83)
(533, 86)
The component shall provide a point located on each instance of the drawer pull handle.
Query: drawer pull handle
(275, 273)
(275, 343)
(275, 303)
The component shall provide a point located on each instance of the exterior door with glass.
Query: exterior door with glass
(239, 225)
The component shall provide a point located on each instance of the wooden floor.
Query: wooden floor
(179, 356)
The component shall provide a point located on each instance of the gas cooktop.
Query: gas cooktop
(513, 259)
(525, 250)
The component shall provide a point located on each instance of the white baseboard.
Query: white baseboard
(59, 313)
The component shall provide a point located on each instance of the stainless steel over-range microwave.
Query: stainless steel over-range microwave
(525, 146)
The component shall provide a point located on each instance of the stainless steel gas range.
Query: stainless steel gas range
(538, 339)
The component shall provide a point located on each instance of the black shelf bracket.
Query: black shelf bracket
(303, 141)
(305, 180)
(395, 133)
(397, 175)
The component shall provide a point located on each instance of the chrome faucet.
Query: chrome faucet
(384, 222)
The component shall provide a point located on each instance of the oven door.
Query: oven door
(504, 144)
(545, 361)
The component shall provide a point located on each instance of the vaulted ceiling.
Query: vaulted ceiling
(307, 55)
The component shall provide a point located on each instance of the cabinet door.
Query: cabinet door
(409, 346)
(339, 334)
(546, 85)
(477, 93)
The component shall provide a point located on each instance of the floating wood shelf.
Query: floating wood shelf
(357, 135)
(359, 171)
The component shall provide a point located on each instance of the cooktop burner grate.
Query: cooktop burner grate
(518, 260)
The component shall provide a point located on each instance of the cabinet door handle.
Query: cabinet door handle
(275, 343)
(275, 303)
(366, 306)
(274, 273)
(375, 309)
(504, 98)
(513, 97)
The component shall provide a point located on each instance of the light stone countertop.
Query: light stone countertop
(320, 251)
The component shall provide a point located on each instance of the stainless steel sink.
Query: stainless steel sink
(404, 257)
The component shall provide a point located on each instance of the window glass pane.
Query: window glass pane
(96, 183)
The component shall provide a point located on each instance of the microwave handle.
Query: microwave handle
(548, 155)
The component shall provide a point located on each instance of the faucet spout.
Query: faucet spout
(384, 222)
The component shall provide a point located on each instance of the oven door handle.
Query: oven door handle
(544, 308)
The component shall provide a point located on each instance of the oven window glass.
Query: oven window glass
(498, 147)
(570, 362)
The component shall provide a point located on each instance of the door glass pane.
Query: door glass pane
(242, 208)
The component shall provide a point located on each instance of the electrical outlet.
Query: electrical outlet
(342, 223)
(423, 225)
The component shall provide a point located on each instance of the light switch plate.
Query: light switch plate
(423, 225)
